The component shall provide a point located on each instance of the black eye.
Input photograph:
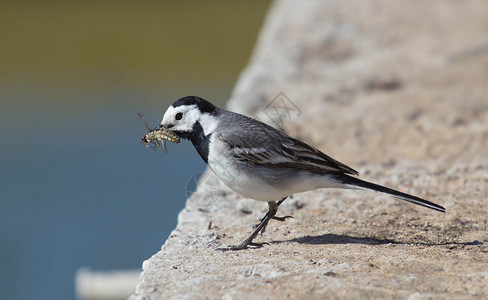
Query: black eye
(178, 116)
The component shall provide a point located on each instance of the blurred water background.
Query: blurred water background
(77, 188)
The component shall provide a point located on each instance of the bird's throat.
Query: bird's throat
(198, 138)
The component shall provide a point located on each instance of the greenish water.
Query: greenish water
(77, 188)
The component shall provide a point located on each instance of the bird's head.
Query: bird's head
(187, 114)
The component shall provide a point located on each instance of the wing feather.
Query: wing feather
(279, 150)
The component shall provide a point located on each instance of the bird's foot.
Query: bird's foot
(243, 246)
(281, 219)
(260, 228)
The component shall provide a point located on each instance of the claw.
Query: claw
(242, 246)
(259, 245)
(281, 219)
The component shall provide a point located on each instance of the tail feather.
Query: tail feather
(354, 182)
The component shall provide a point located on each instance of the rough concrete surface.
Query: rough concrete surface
(397, 90)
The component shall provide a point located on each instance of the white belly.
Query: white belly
(245, 185)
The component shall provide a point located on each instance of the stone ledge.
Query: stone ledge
(395, 91)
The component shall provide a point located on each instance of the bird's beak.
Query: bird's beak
(161, 126)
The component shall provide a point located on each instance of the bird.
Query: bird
(260, 162)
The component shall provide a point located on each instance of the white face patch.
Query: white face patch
(190, 114)
(209, 123)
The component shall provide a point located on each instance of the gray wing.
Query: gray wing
(261, 144)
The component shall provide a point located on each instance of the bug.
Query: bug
(154, 136)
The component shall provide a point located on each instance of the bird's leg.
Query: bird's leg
(281, 219)
(273, 208)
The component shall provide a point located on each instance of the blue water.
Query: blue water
(77, 188)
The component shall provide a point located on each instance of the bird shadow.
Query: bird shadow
(330, 238)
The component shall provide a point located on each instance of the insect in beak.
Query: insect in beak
(154, 136)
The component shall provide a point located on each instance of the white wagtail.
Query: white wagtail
(260, 162)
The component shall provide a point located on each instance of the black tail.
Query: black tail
(361, 184)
